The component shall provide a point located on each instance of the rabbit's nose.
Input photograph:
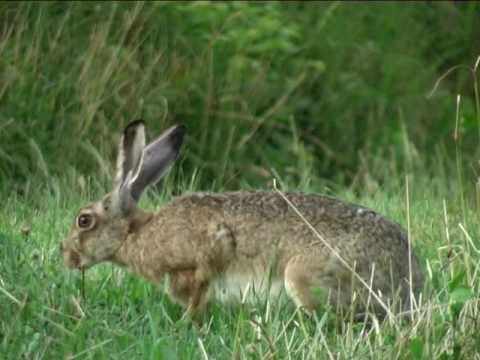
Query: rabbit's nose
(71, 259)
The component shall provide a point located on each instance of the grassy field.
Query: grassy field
(46, 313)
(323, 98)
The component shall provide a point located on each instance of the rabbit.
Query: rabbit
(222, 245)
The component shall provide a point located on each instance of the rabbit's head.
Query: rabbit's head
(100, 229)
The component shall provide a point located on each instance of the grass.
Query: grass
(266, 91)
(44, 315)
(327, 87)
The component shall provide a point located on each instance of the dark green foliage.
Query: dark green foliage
(300, 90)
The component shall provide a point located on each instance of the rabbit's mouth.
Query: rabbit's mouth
(74, 260)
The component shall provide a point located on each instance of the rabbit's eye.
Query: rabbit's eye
(85, 221)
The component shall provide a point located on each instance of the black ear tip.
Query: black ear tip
(178, 133)
(181, 128)
(134, 124)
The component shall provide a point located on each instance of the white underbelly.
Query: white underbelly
(241, 288)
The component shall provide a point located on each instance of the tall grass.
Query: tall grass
(264, 89)
(316, 96)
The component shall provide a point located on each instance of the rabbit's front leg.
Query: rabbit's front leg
(190, 288)
(198, 295)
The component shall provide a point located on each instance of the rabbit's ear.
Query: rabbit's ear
(129, 157)
(156, 159)
(130, 151)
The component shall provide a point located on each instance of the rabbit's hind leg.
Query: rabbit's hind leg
(310, 283)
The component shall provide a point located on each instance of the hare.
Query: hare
(221, 245)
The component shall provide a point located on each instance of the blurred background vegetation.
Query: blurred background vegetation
(311, 93)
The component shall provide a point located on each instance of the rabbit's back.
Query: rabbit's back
(265, 218)
(266, 227)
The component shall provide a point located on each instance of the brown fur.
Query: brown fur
(199, 238)
(221, 245)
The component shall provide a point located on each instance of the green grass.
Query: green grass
(325, 88)
(44, 315)
(327, 98)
